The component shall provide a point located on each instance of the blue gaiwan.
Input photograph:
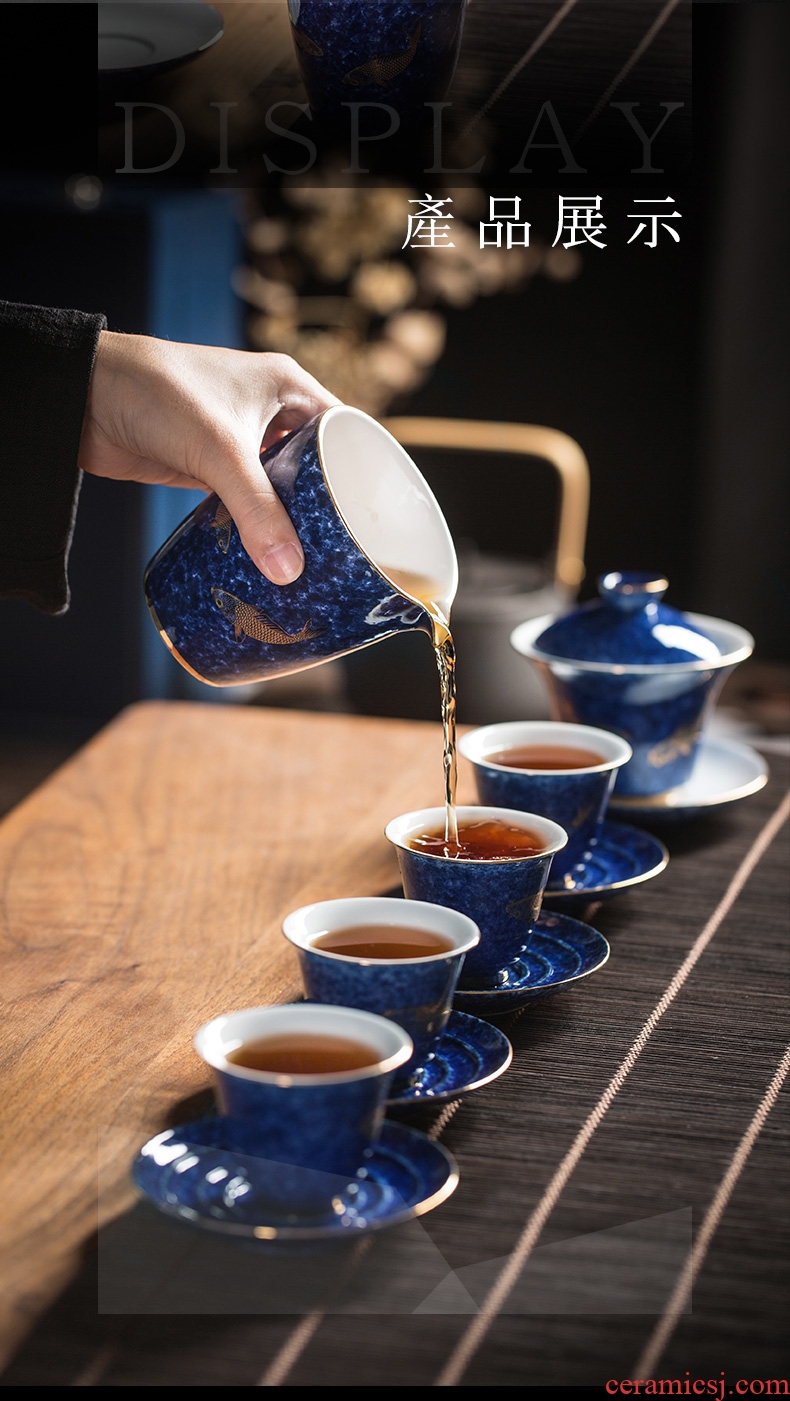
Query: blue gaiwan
(629, 663)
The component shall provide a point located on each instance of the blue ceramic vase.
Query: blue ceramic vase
(359, 506)
(627, 662)
(398, 52)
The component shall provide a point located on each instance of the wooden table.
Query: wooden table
(142, 891)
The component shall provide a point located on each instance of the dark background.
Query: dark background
(669, 366)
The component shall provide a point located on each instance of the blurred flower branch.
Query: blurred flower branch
(330, 283)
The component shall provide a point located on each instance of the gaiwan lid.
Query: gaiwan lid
(628, 626)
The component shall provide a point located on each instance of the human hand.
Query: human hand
(197, 416)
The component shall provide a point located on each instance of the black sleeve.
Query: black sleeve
(46, 359)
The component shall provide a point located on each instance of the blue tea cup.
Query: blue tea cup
(502, 897)
(576, 798)
(415, 992)
(312, 1130)
(376, 546)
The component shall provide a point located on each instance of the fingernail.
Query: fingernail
(284, 563)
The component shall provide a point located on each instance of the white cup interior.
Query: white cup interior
(304, 926)
(215, 1041)
(401, 829)
(385, 502)
(479, 745)
(734, 643)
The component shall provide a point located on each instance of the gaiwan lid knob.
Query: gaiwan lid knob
(628, 625)
(633, 590)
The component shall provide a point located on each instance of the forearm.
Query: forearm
(46, 358)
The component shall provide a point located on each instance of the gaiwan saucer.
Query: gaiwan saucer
(471, 1053)
(618, 857)
(560, 951)
(724, 772)
(191, 1173)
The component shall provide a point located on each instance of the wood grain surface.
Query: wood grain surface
(142, 890)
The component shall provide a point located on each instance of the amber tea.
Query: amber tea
(429, 594)
(483, 839)
(300, 1053)
(546, 756)
(385, 941)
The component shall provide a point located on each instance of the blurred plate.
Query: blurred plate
(135, 34)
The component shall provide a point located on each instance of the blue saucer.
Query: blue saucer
(471, 1053)
(191, 1173)
(560, 951)
(618, 857)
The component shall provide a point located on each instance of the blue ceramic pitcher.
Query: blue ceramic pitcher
(398, 52)
(378, 557)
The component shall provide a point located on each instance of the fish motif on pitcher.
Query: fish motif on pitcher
(223, 524)
(382, 68)
(249, 621)
(306, 44)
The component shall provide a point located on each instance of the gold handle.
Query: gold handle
(562, 452)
